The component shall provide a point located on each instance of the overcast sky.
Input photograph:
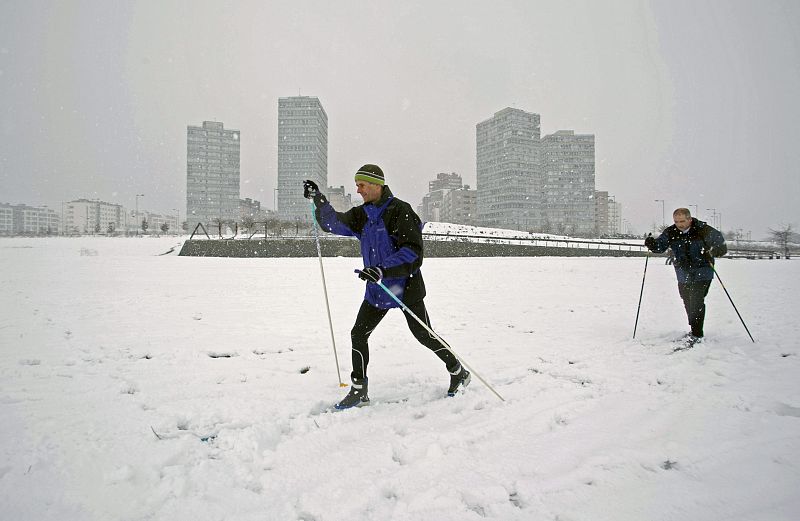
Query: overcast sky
(692, 102)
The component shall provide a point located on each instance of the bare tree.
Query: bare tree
(219, 221)
(782, 236)
(248, 222)
(278, 227)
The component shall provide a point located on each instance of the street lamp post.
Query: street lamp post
(713, 215)
(663, 216)
(137, 213)
(177, 219)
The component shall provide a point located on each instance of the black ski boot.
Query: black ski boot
(688, 342)
(357, 397)
(693, 340)
(460, 379)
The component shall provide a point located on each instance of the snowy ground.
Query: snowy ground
(104, 342)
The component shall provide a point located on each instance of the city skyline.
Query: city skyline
(691, 104)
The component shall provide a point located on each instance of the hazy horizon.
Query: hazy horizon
(690, 103)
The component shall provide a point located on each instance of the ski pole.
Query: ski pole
(641, 292)
(437, 337)
(732, 304)
(325, 290)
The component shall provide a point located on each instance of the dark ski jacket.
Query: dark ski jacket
(693, 251)
(391, 238)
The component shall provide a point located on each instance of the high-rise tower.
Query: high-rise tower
(302, 153)
(212, 174)
(568, 174)
(508, 175)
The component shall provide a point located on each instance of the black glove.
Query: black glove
(370, 274)
(650, 242)
(310, 189)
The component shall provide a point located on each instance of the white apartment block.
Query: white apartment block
(507, 158)
(93, 216)
(212, 174)
(568, 183)
(460, 206)
(445, 181)
(28, 220)
(430, 209)
(341, 200)
(251, 208)
(615, 217)
(601, 213)
(449, 200)
(6, 219)
(608, 214)
(154, 222)
(302, 153)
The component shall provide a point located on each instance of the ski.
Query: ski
(183, 433)
(389, 401)
(686, 344)
(683, 343)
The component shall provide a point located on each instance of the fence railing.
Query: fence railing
(281, 233)
(539, 241)
(754, 254)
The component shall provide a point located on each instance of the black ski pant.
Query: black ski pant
(368, 319)
(693, 295)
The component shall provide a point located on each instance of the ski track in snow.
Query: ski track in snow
(136, 385)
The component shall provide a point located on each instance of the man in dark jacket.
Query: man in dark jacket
(390, 233)
(694, 246)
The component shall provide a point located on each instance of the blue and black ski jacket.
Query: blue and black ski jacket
(391, 238)
(693, 251)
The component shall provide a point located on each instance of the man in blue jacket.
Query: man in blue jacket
(390, 233)
(694, 246)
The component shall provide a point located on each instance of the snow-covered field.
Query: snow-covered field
(105, 343)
